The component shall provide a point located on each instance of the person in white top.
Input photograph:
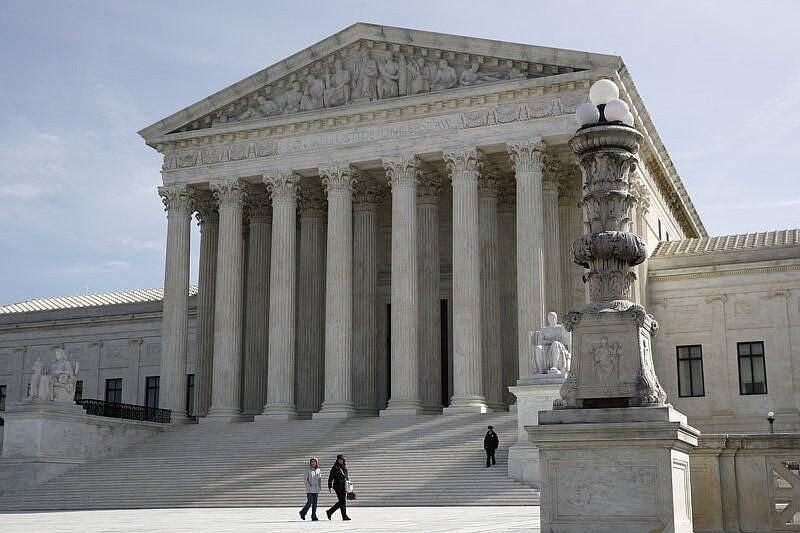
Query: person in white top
(313, 482)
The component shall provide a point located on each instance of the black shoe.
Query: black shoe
(302, 515)
(346, 518)
(329, 514)
(314, 518)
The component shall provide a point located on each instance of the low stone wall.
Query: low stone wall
(44, 440)
(746, 483)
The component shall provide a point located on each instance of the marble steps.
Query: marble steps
(426, 460)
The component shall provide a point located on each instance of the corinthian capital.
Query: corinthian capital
(339, 177)
(282, 185)
(177, 199)
(489, 181)
(429, 185)
(639, 190)
(528, 155)
(312, 202)
(206, 207)
(259, 204)
(402, 171)
(464, 163)
(230, 194)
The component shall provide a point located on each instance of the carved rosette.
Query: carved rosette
(429, 186)
(528, 155)
(178, 200)
(464, 164)
(206, 209)
(367, 196)
(229, 194)
(402, 171)
(282, 186)
(339, 178)
(607, 156)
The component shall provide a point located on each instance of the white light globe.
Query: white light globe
(587, 113)
(603, 91)
(628, 120)
(616, 110)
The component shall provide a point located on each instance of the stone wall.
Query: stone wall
(717, 300)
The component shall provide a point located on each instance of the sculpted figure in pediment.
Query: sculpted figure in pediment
(292, 99)
(262, 107)
(445, 77)
(389, 71)
(470, 75)
(418, 81)
(366, 78)
(313, 94)
(516, 74)
(337, 85)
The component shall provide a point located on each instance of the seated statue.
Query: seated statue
(551, 347)
(58, 383)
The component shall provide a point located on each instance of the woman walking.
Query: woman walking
(313, 482)
(338, 480)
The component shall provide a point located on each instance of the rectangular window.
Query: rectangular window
(752, 368)
(78, 390)
(2, 397)
(190, 394)
(114, 390)
(690, 371)
(151, 386)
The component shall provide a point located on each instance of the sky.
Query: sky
(79, 211)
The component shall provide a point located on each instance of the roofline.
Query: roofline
(363, 30)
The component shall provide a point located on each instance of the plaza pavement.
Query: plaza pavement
(372, 519)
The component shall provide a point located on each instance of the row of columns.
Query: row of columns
(338, 370)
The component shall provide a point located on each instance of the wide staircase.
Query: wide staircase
(393, 461)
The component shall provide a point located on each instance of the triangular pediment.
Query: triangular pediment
(366, 63)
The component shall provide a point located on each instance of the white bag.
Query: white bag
(348, 486)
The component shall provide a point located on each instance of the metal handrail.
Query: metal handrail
(125, 410)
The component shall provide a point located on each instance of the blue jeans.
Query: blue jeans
(311, 502)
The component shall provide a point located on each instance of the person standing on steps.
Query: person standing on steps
(338, 480)
(313, 482)
(490, 444)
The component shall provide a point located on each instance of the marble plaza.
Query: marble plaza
(395, 224)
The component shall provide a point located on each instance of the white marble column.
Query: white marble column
(405, 398)
(338, 180)
(282, 306)
(310, 364)
(175, 321)
(228, 319)
(208, 220)
(366, 200)
(528, 158)
(551, 249)
(463, 165)
(507, 249)
(488, 184)
(429, 191)
(257, 304)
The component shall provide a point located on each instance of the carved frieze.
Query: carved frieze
(368, 71)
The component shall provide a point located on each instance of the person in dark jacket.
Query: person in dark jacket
(490, 444)
(336, 479)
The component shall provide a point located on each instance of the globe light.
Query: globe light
(628, 120)
(616, 110)
(587, 113)
(603, 91)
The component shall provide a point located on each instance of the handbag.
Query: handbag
(348, 486)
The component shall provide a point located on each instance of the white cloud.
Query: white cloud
(23, 191)
(133, 243)
(80, 269)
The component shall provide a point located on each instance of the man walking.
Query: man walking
(490, 444)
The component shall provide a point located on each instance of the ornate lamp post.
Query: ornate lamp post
(613, 364)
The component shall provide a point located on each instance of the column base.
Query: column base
(221, 416)
(366, 412)
(340, 410)
(467, 405)
(278, 412)
(497, 406)
(403, 408)
(625, 469)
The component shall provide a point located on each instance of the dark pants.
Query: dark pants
(341, 495)
(490, 457)
(310, 502)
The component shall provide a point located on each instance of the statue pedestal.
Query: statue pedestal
(534, 394)
(615, 470)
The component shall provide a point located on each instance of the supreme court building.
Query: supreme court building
(384, 218)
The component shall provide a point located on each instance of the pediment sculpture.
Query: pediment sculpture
(56, 383)
(368, 74)
(551, 347)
